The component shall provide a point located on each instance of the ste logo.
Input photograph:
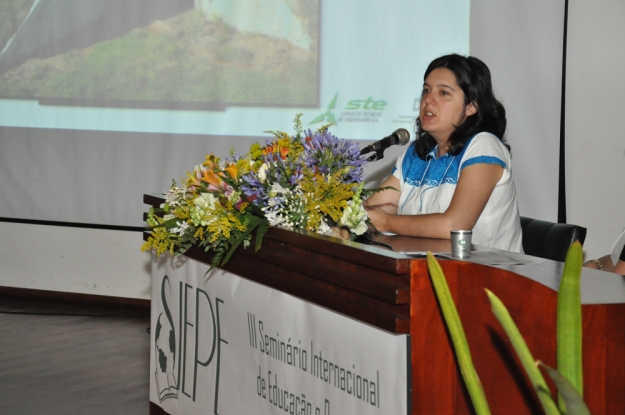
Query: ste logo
(353, 105)
(187, 344)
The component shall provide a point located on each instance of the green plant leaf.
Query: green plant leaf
(524, 354)
(260, 233)
(458, 337)
(569, 324)
(168, 224)
(367, 193)
(574, 402)
(254, 221)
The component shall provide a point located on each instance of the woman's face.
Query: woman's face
(442, 105)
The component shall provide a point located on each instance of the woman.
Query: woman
(456, 175)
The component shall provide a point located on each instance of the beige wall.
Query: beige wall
(595, 121)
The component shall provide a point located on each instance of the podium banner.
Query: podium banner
(221, 344)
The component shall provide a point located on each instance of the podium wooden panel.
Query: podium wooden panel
(393, 291)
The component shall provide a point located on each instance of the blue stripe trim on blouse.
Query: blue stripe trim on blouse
(430, 172)
(483, 160)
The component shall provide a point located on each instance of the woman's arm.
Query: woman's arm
(475, 185)
(387, 200)
(602, 264)
(619, 268)
(605, 264)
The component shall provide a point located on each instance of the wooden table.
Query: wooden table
(392, 291)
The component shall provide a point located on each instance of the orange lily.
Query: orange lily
(210, 177)
(269, 149)
(232, 170)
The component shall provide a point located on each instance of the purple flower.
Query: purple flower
(326, 153)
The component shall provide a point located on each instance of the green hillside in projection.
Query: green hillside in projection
(185, 58)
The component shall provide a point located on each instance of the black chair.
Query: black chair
(549, 240)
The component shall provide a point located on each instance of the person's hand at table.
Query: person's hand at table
(377, 218)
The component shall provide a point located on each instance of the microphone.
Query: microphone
(401, 136)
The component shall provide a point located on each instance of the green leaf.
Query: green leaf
(168, 224)
(254, 221)
(366, 193)
(231, 181)
(458, 337)
(574, 402)
(569, 323)
(260, 233)
(524, 354)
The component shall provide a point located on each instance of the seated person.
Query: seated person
(456, 175)
(614, 262)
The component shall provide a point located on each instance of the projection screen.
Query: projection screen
(102, 101)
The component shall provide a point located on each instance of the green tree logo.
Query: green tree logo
(327, 116)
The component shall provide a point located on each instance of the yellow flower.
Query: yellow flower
(199, 234)
(211, 162)
(327, 196)
(192, 180)
(160, 241)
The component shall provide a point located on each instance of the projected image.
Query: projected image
(187, 54)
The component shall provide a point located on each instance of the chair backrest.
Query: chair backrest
(549, 240)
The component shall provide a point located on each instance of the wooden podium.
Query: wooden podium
(393, 291)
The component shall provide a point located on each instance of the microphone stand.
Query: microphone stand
(378, 155)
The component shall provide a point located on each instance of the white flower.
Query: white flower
(181, 228)
(276, 189)
(323, 228)
(355, 217)
(203, 213)
(205, 201)
(175, 196)
(275, 218)
(262, 172)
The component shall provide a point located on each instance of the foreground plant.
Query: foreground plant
(459, 339)
(568, 378)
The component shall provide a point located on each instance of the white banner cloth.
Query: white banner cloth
(221, 344)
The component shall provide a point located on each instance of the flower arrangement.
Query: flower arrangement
(309, 181)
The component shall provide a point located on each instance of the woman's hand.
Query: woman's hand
(378, 217)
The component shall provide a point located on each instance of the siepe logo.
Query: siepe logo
(182, 350)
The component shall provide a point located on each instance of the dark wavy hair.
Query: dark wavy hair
(473, 77)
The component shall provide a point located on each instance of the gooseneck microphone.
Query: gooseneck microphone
(401, 136)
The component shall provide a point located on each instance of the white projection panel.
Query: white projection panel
(121, 97)
(89, 123)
